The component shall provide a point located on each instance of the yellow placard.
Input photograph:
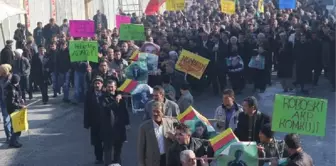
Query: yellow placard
(175, 5)
(261, 6)
(192, 64)
(228, 6)
(20, 120)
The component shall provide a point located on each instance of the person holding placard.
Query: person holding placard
(14, 102)
(258, 65)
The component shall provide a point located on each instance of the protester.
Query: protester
(188, 158)
(201, 131)
(184, 141)
(38, 34)
(250, 121)
(100, 18)
(5, 77)
(269, 147)
(93, 117)
(156, 152)
(171, 109)
(226, 115)
(7, 54)
(186, 99)
(14, 103)
(115, 122)
(22, 68)
(40, 72)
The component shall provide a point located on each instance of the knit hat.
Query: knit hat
(15, 79)
(18, 52)
(267, 131)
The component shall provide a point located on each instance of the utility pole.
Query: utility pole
(86, 3)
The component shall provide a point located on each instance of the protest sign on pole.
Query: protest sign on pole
(122, 20)
(192, 64)
(83, 51)
(132, 32)
(301, 115)
(175, 5)
(287, 4)
(20, 120)
(82, 28)
(228, 6)
(261, 6)
(240, 153)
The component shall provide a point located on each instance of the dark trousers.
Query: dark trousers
(237, 81)
(260, 79)
(112, 154)
(24, 85)
(98, 151)
(215, 77)
(44, 91)
(317, 74)
(163, 160)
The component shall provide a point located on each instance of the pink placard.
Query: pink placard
(122, 20)
(82, 28)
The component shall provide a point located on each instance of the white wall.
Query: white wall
(9, 25)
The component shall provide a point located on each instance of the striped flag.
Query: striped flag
(135, 55)
(223, 141)
(190, 117)
(128, 86)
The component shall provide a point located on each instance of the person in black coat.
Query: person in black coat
(303, 62)
(14, 103)
(245, 130)
(50, 30)
(114, 124)
(184, 141)
(285, 62)
(93, 117)
(40, 72)
(100, 18)
(64, 68)
(19, 36)
(103, 71)
(7, 54)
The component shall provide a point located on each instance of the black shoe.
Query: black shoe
(30, 97)
(55, 95)
(15, 145)
(99, 162)
(45, 102)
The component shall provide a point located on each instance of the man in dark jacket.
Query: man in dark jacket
(250, 121)
(114, 123)
(50, 30)
(7, 54)
(186, 142)
(100, 18)
(103, 71)
(297, 157)
(39, 72)
(38, 34)
(19, 36)
(93, 116)
(54, 64)
(64, 67)
(21, 67)
(13, 103)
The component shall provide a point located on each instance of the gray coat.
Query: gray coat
(185, 101)
(171, 109)
(21, 66)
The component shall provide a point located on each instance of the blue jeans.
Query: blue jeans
(62, 80)
(6, 119)
(55, 82)
(79, 86)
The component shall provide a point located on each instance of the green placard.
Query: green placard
(132, 32)
(83, 51)
(301, 115)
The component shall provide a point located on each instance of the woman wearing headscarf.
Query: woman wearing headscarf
(5, 77)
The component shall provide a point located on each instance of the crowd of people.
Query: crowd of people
(243, 48)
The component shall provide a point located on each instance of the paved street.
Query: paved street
(57, 137)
